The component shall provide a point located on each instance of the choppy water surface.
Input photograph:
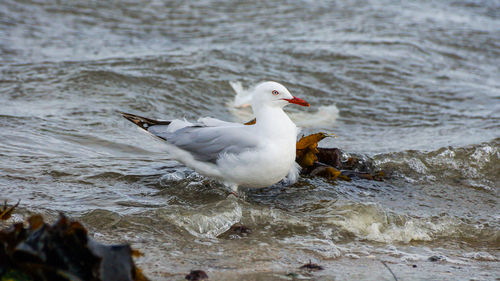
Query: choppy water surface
(415, 86)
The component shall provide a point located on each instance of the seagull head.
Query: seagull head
(274, 94)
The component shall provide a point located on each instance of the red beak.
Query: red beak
(298, 101)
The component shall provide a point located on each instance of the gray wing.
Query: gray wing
(207, 143)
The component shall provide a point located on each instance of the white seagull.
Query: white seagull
(256, 156)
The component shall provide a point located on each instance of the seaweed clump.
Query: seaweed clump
(6, 212)
(62, 251)
(332, 163)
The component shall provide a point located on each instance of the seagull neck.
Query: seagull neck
(273, 120)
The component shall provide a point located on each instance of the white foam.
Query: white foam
(373, 223)
(481, 256)
(326, 248)
(173, 176)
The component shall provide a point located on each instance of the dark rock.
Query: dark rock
(236, 231)
(196, 275)
(240, 229)
(311, 267)
(436, 258)
(358, 163)
(330, 156)
(377, 176)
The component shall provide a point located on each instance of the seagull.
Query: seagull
(235, 154)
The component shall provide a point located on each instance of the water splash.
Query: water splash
(210, 222)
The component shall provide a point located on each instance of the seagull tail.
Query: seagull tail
(143, 122)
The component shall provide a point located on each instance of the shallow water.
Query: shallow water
(415, 86)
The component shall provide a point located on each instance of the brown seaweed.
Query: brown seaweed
(306, 149)
(6, 212)
(62, 251)
(251, 122)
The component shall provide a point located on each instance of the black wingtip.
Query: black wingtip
(143, 122)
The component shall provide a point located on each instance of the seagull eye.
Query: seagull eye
(276, 93)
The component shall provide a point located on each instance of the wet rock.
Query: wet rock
(330, 156)
(236, 231)
(196, 275)
(376, 176)
(241, 230)
(437, 258)
(354, 164)
(311, 267)
(62, 251)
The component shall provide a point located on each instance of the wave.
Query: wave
(476, 166)
(335, 223)
(369, 221)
